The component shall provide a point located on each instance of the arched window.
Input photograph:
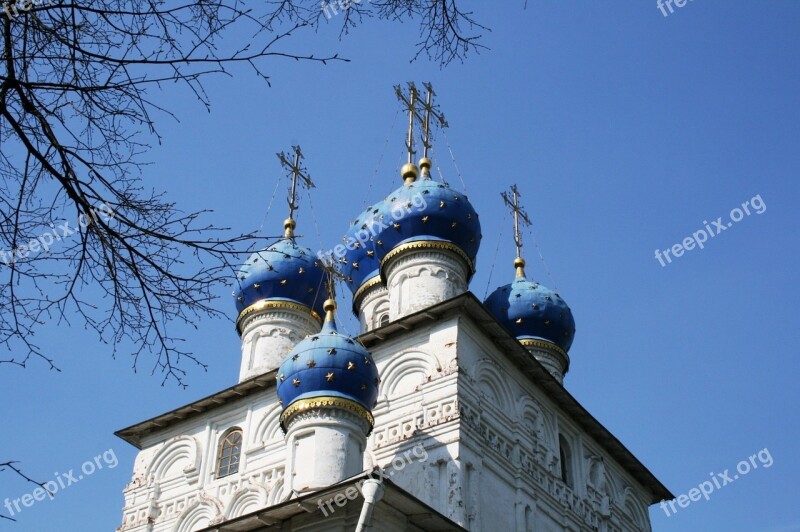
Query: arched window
(565, 455)
(383, 320)
(230, 450)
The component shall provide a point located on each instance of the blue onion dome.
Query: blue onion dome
(360, 265)
(328, 369)
(284, 272)
(530, 310)
(428, 212)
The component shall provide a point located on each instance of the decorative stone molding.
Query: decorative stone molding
(407, 371)
(203, 512)
(180, 450)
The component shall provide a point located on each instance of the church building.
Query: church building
(445, 413)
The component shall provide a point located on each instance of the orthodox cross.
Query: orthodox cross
(430, 111)
(519, 215)
(298, 175)
(410, 103)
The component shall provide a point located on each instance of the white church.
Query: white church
(444, 413)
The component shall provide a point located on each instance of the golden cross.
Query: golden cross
(430, 110)
(519, 215)
(298, 174)
(410, 103)
(332, 273)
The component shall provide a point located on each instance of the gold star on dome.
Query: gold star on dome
(370, 253)
(366, 361)
(469, 216)
(363, 386)
(425, 219)
(296, 382)
(332, 351)
(256, 286)
(355, 265)
(377, 381)
(282, 377)
(380, 242)
(442, 204)
(329, 377)
(311, 363)
(453, 225)
(547, 322)
(396, 226)
(295, 357)
(310, 289)
(350, 365)
(283, 281)
(240, 299)
(301, 270)
(519, 321)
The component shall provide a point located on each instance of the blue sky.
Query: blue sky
(624, 130)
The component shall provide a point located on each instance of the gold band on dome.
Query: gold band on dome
(428, 244)
(304, 405)
(371, 283)
(265, 304)
(542, 344)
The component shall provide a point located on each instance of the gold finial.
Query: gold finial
(519, 264)
(288, 228)
(297, 172)
(519, 215)
(409, 171)
(430, 110)
(330, 308)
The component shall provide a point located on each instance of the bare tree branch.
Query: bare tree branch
(82, 240)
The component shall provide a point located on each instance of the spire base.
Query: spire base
(409, 172)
